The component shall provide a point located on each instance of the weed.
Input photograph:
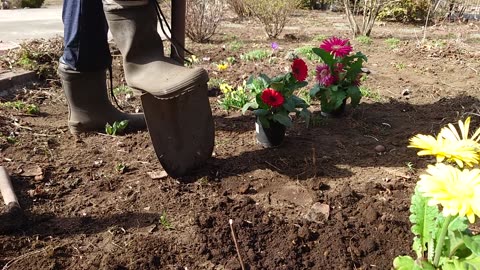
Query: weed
(192, 60)
(320, 38)
(231, 60)
(121, 168)
(306, 51)
(32, 109)
(11, 139)
(368, 93)
(235, 45)
(122, 89)
(393, 43)
(165, 222)
(399, 66)
(255, 55)
(116, 128)
(21, 106)
(364, 40)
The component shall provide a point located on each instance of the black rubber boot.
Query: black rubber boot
(89, 108)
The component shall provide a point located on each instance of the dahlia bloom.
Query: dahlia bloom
(299, 70)
(324, 77)
(272, 98)
(458, 191)
(336, 46)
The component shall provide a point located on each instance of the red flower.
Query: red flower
(272, 98)
(337, 46)
(299, 70)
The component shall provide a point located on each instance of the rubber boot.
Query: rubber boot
(89, 108)
(175, 101)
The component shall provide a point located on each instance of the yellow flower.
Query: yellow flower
(225, 88)
(458, 191)
(449, 144)
(222, 66)
(459, 152)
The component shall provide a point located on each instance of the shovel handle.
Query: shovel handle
(6, 188)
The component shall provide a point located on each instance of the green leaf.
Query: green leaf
(299, 102)
(355, 95)
(289, 105)
(326, 57)
(306, 114)
(403, 263)
(458, 224)
(260, 112)
(423, 219)
(277, 86)
(282, 119)
(337, 98)
(264, 121)
(252, 105)
(265, 78)
(109, 129)
(473, 243)
(315, 89)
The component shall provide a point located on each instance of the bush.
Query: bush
(405, 11)
(239, 7)
(273, 14)
(32, 3)
(203, 18)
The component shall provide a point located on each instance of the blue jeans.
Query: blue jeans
(85, 35)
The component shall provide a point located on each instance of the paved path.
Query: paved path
(20, 24)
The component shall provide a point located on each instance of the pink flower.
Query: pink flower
(324, 77)
(337, 46)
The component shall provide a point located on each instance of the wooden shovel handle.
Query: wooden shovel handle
(6, 188)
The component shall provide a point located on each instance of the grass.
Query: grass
(235, 45)
(368, 93)
(393, 43)
(165, 222)
(306, 51)
(319, 38)
(364, 40)
(255, 55)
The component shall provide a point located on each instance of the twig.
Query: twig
(275, 167)
(236, 244)
(21, 257)
(370, 136)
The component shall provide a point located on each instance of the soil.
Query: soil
(335, 195)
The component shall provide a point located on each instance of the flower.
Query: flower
(274, 46)
(222, 66)
(275, 97)
(299, 70)
(225, 88)
(324, 77)
(272, 98)
(338, 78)
(450, 145)
(458, 191)
(337, 47)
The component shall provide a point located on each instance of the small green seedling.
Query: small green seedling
(122, 89)
(32, 109)
(368, 93)
(410, 167)
(255, 55)
(306, 51)
(364, 40)
(11, 139)
(165, 222)
(392, 43)
(121, 168)
(116, 128)
(235, 45)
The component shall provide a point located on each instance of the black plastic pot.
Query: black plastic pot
(269, 137)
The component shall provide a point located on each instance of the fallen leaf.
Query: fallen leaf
(31, 170)
(157, 174)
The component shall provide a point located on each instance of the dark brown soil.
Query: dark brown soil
(83, 213)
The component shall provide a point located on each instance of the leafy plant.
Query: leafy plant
(405, 11)
(272, 14)
(236, 45)
(165, 222)
(234, 98)
(275, 98)
(255, 55)
(340, 76)
(203, 18)
(307, 52)
(32, 3)
(21, 106)
(368, 93)
(32, 109)
(117, 128)
(122, 89)
(392, 42)
(121, 168)
(446, 198)
(364, 40)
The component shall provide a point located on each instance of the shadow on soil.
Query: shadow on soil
(331, 144)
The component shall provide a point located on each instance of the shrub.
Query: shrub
(405, 11)
(273, 14)
(203, 18)
(32, 3)
(239, 7)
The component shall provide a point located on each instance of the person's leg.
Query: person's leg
(83, 66)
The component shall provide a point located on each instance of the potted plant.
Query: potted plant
(275, 100)
(338, 78)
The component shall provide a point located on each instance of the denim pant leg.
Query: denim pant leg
(85, 35)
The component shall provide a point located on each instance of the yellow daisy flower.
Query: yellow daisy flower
(459, 152)
(455, 147)
(225, 88)
(458, 191)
